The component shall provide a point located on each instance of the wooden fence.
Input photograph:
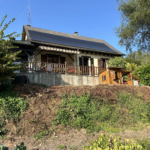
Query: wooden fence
(60, 68)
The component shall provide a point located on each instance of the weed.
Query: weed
(43, 126)
(96, 114)
(61, 146)
(145, 143)
(54, 138)
(113, 143)
(40, 134)
(43, 85)
(73, 147)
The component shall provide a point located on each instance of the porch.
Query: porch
(45, 67)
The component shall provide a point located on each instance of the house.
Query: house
(51, 51)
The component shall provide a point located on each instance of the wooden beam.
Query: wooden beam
(27, 53)
(38, 53)
(71, 57)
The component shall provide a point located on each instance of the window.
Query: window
(104, 78)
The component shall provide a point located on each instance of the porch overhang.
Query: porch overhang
(48, 48)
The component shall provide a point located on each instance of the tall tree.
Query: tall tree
(135, 25)
(138, 57)
(6, 55)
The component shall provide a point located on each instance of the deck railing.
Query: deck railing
(60, 68)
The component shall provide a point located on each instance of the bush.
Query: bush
(144, 75)
(10, 107)
(117, 62)
(106, 142)
(96, 114)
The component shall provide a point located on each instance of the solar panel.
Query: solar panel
(50, 38)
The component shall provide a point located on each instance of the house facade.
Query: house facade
(56, 50)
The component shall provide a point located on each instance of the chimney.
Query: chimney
(76, 33)
(28, 25)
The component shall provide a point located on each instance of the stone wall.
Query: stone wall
(61, 79)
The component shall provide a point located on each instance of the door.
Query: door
(43, 58)
(62, 60)
(43, 62)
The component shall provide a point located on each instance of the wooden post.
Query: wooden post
(128, 77)
(65, 67)
(92, 69)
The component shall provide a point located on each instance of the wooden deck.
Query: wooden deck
(60, 68)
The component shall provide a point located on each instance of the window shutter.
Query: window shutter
(99, 62)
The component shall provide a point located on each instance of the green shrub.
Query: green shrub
(96, 114)
(2, 147)
(144, 74)
(145, 143)
(10, 107)
(105, 142)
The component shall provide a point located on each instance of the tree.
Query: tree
(135, 25)
(133, 68)
(117, 62)
(138, 57)
(6, 55)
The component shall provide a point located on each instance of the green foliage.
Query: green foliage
(133, 68)
(10, 107)
(41, 134)
(96, 114)
(2, 147)
(145, 143)
(61, 146)
(43, 85)
(20, 147)
(144, 74)
(6, 55)
(117, 62)
(105, 142)
(138, 57)
(134, 57)
(134, 29)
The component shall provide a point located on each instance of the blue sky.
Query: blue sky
(91, 18)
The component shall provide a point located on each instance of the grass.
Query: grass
(95, 114)
(61, 146)
(145, 143)
(40, 135)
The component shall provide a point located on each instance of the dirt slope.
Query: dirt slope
(44, 104)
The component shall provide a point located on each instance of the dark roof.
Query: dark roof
(68, 40)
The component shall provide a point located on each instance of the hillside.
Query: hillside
(45, 101)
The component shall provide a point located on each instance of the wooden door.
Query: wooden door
(62, 60)
(99, 66)
(112, 76)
